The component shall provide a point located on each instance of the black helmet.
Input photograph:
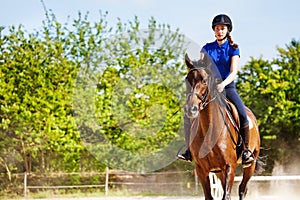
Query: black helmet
(222, 19)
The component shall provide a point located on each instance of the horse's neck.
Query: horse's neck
(210, 110)
(211, 118)
(206, 133)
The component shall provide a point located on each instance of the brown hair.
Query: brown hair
(231, 42)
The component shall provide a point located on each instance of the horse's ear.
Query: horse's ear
(188, 62)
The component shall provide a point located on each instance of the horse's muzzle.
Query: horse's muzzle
(191, 111)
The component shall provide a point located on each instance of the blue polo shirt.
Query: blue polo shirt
(220, 56)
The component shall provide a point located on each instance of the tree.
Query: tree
(59, 83)
(138, 96)
(36, 83)
(272, 90)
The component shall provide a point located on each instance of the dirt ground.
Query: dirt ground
(161, 198)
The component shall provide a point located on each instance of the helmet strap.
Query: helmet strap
(220, 40)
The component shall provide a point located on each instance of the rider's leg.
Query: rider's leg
(187, 128)
(247, 156)
(233, 96)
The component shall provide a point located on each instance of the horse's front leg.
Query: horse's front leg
(228, 182)
(247, 173)
(204, 179)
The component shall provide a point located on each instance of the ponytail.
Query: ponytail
(231, 42)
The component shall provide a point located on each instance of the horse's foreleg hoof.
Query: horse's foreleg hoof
(242, 195)
(226, 197)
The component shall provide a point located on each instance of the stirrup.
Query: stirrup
(247, 158)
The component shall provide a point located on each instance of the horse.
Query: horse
(215, 143)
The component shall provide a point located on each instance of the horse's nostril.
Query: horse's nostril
(191, 111)
(194, 108)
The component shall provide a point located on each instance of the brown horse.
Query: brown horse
(215, 143)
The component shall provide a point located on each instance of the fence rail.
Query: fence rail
(107, 182)
(271, 178)
(105, 185)
(64, 186)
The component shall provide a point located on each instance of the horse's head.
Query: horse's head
(198, 84)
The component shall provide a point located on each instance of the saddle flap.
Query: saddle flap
(233, 114)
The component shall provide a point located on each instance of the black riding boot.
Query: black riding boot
(247, 155)
(186, 156)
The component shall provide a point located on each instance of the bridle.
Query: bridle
(203, 98)
(199, 96)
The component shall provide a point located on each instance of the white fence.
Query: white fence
(215, 183)
(105, 184)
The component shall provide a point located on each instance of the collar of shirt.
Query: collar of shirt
(222, 46)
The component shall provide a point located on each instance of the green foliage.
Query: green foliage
(138, 94)
(36, 98)
(59, 83)
(272, 90)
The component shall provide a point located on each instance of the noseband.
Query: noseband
(200, 97)
(203, 99)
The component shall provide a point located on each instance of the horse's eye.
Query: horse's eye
(204, 81)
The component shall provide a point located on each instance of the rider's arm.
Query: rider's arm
(233, 72)
(201, 56)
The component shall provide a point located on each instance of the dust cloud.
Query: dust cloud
(286, 187)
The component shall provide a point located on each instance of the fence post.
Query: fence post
(25, 184)
(106, 180)
(196, 181)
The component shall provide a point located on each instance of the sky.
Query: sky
(259, 26)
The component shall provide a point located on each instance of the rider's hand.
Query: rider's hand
(220, 87)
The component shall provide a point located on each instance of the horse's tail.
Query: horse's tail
(260, 161)
(259, 165)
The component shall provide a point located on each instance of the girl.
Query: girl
(225, 55)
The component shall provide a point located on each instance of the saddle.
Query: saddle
(232, 114)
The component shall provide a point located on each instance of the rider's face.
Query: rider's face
(220, 31)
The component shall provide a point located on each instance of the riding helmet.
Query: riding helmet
(222, 19)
